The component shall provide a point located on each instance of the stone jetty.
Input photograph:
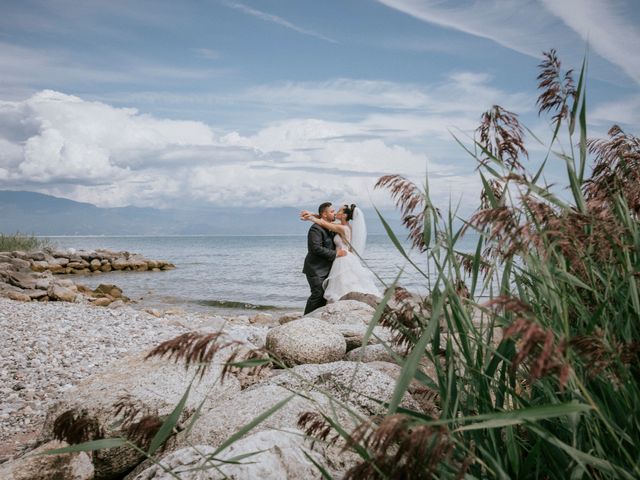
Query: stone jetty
(37, 276)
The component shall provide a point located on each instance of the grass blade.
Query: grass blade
(168, 425)
(87, 446)
(253, 423)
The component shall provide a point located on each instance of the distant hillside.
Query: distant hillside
(38, 214)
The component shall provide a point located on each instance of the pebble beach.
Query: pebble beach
(48, 347)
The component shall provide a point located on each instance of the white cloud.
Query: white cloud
(605, 26)
(207, 53)
(625, 111)
(25, 69)
(532, 27)
(91, 151)
(515, 24)
(268, 17)
(459, 92)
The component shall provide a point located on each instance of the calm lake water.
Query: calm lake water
(232, 273)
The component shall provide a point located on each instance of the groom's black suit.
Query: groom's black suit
(317, 264)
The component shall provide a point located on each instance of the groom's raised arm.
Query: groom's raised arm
(315, 244)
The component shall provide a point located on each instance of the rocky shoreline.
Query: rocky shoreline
(35, 276)
(73, 371)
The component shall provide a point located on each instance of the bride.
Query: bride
(347, 273)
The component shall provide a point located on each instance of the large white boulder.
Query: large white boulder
(146, 389)
(219, 423)
(307, 340)
(354, 383)
(354, 334)
(277, 455)
(373, 353)
(344, 311)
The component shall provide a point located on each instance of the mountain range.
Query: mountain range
(39, 214)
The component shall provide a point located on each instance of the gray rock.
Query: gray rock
(120, 263)
(262, 319)
(371, 353)
(369, 299)
(426, 397)
(108, 289)
(307, 340)
(217, 425)
(289, 317)
(39, 266)
(354, 334)
(19, 296)
(277, 455)
(344, 312)
(62, 261)
(22, 280)
(59, 292)
(74, 466)
(152, 387)
(20, 263)
(37, 256)
(36, 294)
(352, 382)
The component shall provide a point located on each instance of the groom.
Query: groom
(321, 254)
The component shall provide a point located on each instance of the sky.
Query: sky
(287, 102)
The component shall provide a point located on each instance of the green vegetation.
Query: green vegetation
(527, 348)
(533, 340)
(19, 241)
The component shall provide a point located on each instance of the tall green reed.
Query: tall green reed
(530, 343)
(19, 241)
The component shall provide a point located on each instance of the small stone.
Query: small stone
(59, 292)
(262, 319)
(18, 296)
(103, 301)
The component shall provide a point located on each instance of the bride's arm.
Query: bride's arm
(334, 227)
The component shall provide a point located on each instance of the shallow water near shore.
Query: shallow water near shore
(232, 274)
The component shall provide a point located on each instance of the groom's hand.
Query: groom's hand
(340, 252)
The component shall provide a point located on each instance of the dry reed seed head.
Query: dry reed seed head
(599, 355)
(127, 407)
(144, 430)
(406, 316)
(538, 350)
(401, 447)
(76, 426)
(497, 192)
(557, 89)
(194, 348)
(462, 290)
(316, 426)
(616, 169)
(502, 136)
(411, 201)
(405, 193)
(247, 374)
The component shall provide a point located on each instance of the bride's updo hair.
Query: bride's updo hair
(349, 211)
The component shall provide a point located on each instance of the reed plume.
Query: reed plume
(401, 447)
(557, 89)
(501, 137)
(413, 205)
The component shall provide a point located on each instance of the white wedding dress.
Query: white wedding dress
(348, 275)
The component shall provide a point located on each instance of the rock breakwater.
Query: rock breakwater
(35, 276)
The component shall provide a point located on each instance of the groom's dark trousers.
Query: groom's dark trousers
(317, 264)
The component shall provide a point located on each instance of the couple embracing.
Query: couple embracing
(332, 267)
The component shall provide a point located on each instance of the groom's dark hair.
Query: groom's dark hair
(323, 207)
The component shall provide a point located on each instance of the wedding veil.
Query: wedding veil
(358, 232)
